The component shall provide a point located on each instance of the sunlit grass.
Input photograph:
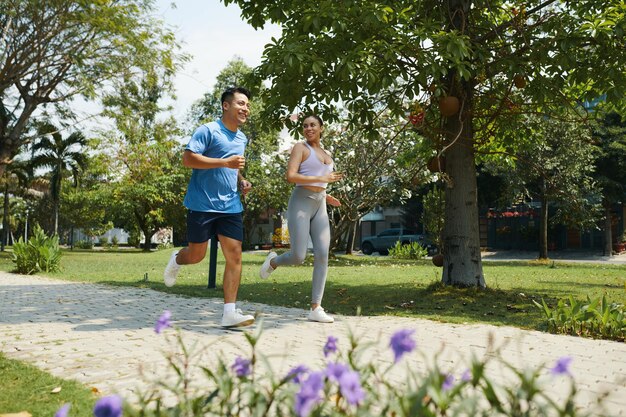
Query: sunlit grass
(369, 285)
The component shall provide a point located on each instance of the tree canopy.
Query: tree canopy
(51, 51)
(466, 68)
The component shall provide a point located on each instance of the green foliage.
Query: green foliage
(88, 46)
(134, 238)
(348, 382)
(596, 318)
(411, 250)
(433, 214)
(84, 244)
(379, 56)
(40, 253)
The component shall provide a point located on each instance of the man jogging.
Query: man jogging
(215, 153)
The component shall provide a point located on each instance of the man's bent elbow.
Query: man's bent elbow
(187, 157)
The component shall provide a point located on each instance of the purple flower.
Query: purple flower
(62, 412)
(401, 343)
(110, 406)
(448, 383)
(309, 394)
(335, 370)
(561, 367)
(330, 346)
(350, 387)
(296, 373)
(241, 367)
(467, 376)
(163, 322)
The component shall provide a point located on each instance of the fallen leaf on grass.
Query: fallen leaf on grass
(55, 390)
(20, 414)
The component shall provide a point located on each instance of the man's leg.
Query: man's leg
(192, 254)
(231, 248)
(232, 317)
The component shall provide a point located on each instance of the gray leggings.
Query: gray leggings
(306, 215)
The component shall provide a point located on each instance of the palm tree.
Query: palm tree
(60, 155)
(14, 180)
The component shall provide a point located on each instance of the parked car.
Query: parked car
(387, 239)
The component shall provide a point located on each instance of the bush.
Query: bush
(40, 253)
(84, 244)
(115, 241)
(596, 319)
(280, 236)
(411, 250)
(134, 238)
(349, 385)
(165, 245)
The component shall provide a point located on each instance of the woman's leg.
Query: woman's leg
(299, 212)
(320, 235)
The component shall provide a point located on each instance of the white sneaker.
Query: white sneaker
(236, 319)
(320, 315)
(171, 270)
(266, 268)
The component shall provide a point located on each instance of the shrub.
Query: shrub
(411, 250)
(103, 241)
(348, 384)
(84, 244)
(115, 241)
(597, 318)
(165, 245)
(134, 238)
(280, 236)
(40, 253)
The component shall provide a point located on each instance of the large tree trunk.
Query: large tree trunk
(608, 232)
(543, 228)
(461, 241)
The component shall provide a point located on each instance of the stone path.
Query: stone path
(103, 337)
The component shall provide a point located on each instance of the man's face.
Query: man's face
(237, 109)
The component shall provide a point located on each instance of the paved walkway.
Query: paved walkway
(103, 337)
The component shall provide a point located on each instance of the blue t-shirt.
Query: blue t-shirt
(215, 189)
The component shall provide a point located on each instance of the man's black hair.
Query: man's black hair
(228, 94)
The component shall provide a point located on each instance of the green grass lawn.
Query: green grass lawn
(369, 285)
(25, 388)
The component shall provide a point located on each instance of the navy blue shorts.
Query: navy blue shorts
(202, 225)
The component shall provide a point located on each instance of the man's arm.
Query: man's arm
(197, 161)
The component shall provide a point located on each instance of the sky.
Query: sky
(213, 34)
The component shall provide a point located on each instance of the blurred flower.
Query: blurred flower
(296, 373)
(335, 370)
(267, 171)
(561, 367)
(62, 412)
(309, 394)
(350, 386)
(401, 343)
(241, 367)
(163, 322)
(330, 346)
(448, 383)
(467, 376)
(110, 406)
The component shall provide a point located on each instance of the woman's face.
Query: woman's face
(311, 128)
